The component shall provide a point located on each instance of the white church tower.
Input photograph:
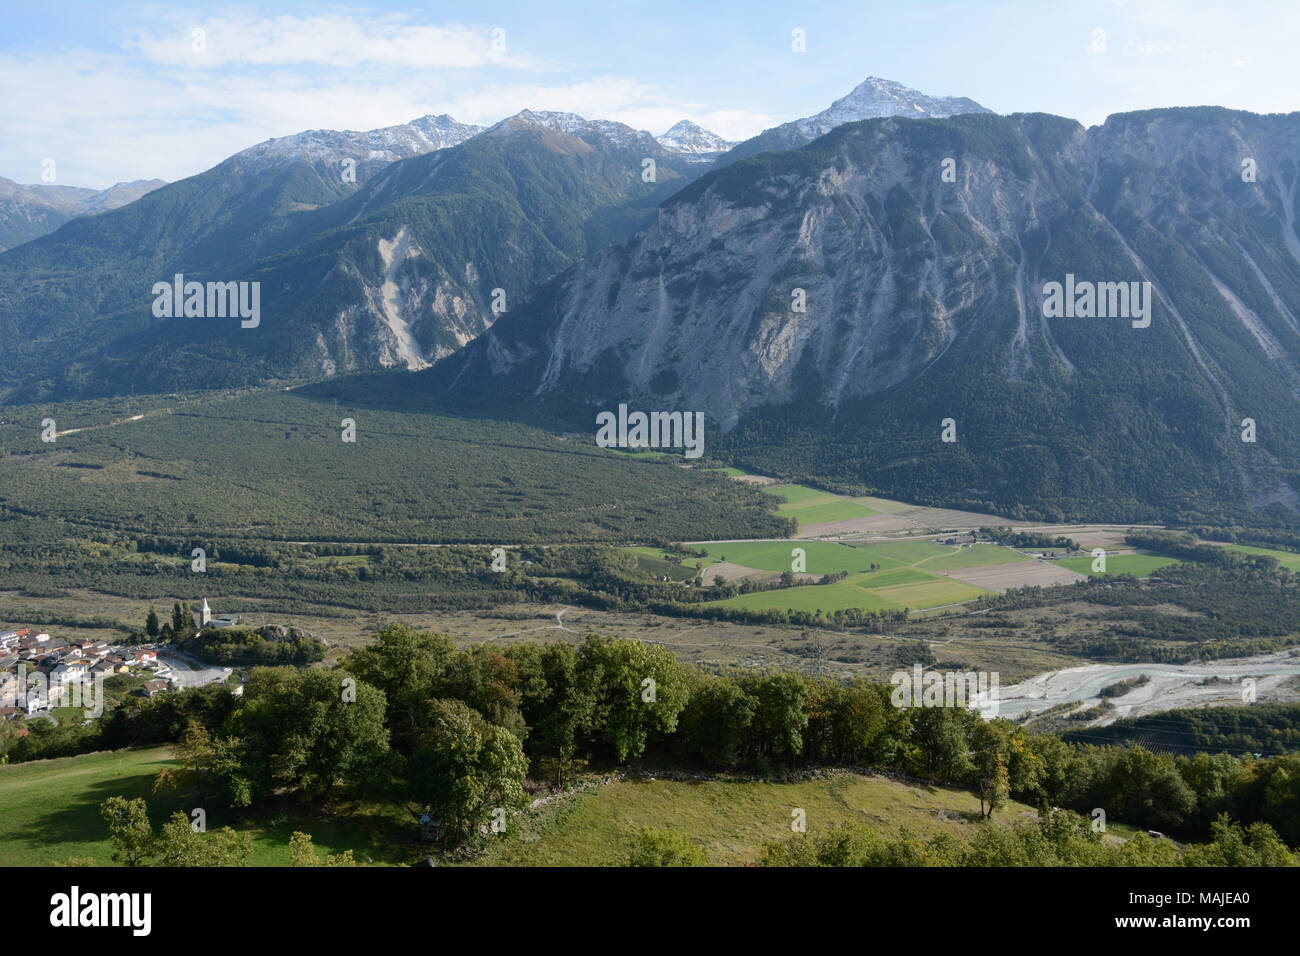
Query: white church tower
(205, 615)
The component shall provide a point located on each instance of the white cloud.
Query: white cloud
(155, 108)
(332, 40)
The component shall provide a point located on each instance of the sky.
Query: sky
(108, 92)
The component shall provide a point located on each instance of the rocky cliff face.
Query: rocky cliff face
(395, 268)
(894, 273)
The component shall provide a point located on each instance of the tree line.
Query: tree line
(455, 734)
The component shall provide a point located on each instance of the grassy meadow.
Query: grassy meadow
(729, 821)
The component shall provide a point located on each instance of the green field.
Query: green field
(976, 556)
(1138, 564)
(651, 561)
(49, 813)
(828, 597)
(891, 578)
(906, 553)
(814, 506)
(934, 593)
(730, 822)
(1288, 559)
(905, 578)
(823, 557)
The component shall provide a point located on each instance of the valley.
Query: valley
(903, 582)
(637, 446)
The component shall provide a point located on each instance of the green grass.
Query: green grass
(840, 596)
(49, 809)
(823, 557)
(814, 506)
(49, 813)
(651, 561)
(1138, 564)
(935, 593)
(976, 556)
(899, 553)
(890, 578)
(904, 578)
(1288, 559)
(730, 822)
(797, 494)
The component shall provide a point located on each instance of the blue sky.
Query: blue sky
(117, 91)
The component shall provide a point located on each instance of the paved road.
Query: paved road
(187, 672)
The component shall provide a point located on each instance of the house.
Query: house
(154, 687)
(145, 657)
(68, 670)
(42, 698)
(9, 638)
(8, 713)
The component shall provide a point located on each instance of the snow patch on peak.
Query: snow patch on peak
(389, 143)
(694, 141)
(571, 124)
(875, 97)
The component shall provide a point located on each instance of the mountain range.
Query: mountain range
(827, 293)
(373, 249)
(27, 212)
(828, 307)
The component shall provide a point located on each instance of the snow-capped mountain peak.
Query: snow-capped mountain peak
(694, 141)
(571, 124)
(875, 97)
(386, 144)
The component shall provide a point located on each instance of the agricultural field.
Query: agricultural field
(1288, 559)
(840, 596)
(813, 506)
(1138, 564)
(873, 591)
(910, 574)
(652, 561)
(823, 557)
(977, 556)
(729, 821)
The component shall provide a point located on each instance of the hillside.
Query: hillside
(829, 307)
(729, 821)
(397, 266)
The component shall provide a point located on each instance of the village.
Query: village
(39, 672)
